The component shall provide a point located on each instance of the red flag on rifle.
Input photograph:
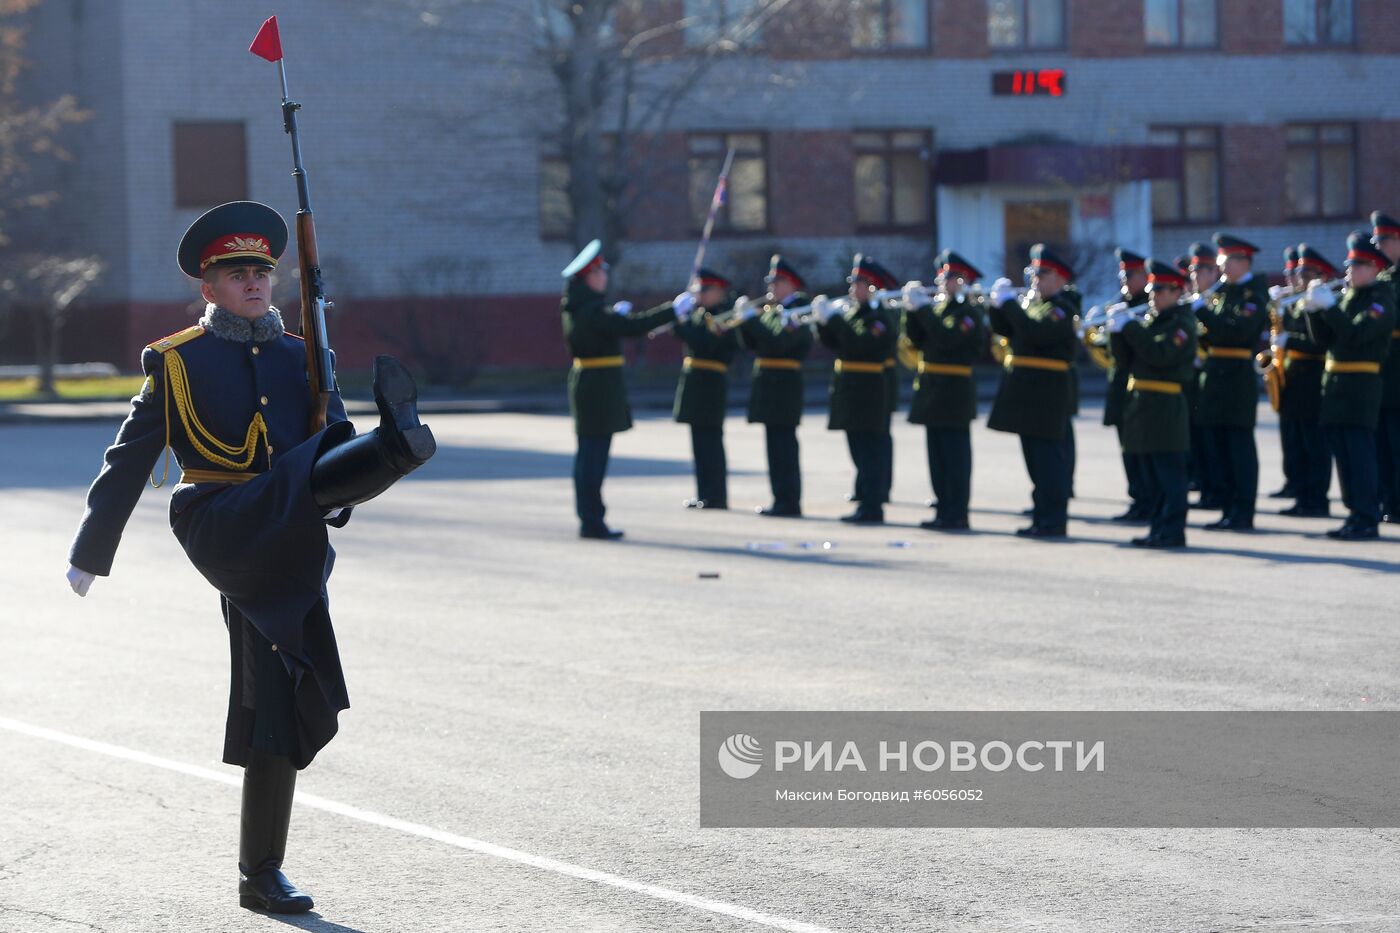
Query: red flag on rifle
(268, 42)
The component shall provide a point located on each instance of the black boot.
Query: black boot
(268, 784)
(365, 466)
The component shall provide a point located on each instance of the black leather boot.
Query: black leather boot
(268, 784)
(366, 465)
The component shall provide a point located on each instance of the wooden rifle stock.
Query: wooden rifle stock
(319, 372)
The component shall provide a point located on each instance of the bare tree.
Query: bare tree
(44, 287)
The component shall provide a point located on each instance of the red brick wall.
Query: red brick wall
(960, 28)
(1251, 27)
(1377, 25)
(661, 210)
(1253, 174)
(1378, 182)
(811, 184)
(1105, 28)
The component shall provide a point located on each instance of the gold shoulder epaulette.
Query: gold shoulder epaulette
(176, 339)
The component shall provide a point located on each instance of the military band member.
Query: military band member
(1203, 275)
(1300, 399)
(702, 396)
(593, 332)
(1132, 278)
(776, 395)
(1288, 449)
(949, 335)
(1036, 397)
(228, 398)
(1235, 319)
(1386, 235)
(1357, 336)
(1156, 423)
(861, 331)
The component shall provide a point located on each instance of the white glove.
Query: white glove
(683, 304)
(80, 580)
(824, 308)
(1002, 291)
(1280, 340)
(622, 307)
(1276, 292)
(1319, 297)
(914, 295)
(745, 307)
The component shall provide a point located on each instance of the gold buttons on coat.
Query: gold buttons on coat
(257, 350)
(263, 399)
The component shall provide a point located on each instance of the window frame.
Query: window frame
(723, 227)
(1180, 45)
(1322, 42)
(1023, 45)
(898, 50)
(889, 151)
(1181, 129)
(726, 17)
(1318, 145)
(181, 196)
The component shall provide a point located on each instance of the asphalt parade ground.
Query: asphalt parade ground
(522, 748)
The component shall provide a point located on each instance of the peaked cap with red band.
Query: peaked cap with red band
(1043, 257)
(1361, 249)
(780, 268)
(1164, 274)
(1234, 246)
(240, 233)
(588, 259)
(1309, 258)
(1290, 258)
(1129, 260)
(709, 278)
(950, 263)
(1201, 253)
(1383, 225)
(863, 267)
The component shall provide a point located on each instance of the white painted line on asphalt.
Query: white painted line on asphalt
(541, 862)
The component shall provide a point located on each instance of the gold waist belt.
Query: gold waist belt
(774, 362)
(597, 362)
(1153, 385)
(944, 369)
(1337, 366)
(216, 476)
(1231, 353)
(1036, 362)
(889, 363)
(1300, 355)
(850, 366)
(713, 366)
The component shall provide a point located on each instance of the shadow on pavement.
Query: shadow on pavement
(500, 463)
(313, 922)
(792, 554)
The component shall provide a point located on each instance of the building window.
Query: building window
(708, 21)
(892, 179)
(1317, 22)
(745, 208)
(556, 210)
(1195, 196)
(1026, 24)
(211, 163)
(889, 24)
(1321, 176)
(1180, 23)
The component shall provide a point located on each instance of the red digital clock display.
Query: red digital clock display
(1044, 82)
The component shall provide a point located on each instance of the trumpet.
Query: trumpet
(1336, 286)
(1100, 316)
(725, 319)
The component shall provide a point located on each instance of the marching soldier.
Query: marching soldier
(1132, 277)
(1358, 330)
(593, 332)
(228, 398)
(1386, 234)
(1235, 319)
(703, 392)
(1287, 448)
(861, 332)
(1036, 396)
(776, 396)
(950, 336)
(1204, 275)
(1300, 399)
(1156, 423)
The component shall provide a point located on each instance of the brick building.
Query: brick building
(895, 127)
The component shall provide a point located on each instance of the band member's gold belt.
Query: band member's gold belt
(597, 362)
(775, 362)
(850, 366)
(889, 362)
(1395, 335)
(944, 369)
(1231, 353)
(713, 366)
(216, 476)
(1337, 366)
(1036, 362)
(1153, 385)
(1300, 355)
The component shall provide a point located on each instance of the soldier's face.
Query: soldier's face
(1135, 281)
(1234, 268)
(1164, 296)
(860, 289)
(242, 290)
(1047, 282)
(597, 279)
(711, 296)
(779, 289)
(1361, 274)
(1204, 275)
(1390, 245)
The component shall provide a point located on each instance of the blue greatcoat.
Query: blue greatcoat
(236, 406)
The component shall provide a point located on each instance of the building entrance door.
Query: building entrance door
(1028, 223)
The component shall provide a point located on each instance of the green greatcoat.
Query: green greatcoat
(860, 400)
(949, 333)
(598, 396)
(702, 394)
(1031, 401)
(1390, 369)
(776, 395)
(1301, 398)
(1235, 317)
(1163, 349)
(1119, 368)
(1359, 329)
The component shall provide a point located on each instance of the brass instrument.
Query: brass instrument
(1286, 303)
(1269, 363)
(1202, 338)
